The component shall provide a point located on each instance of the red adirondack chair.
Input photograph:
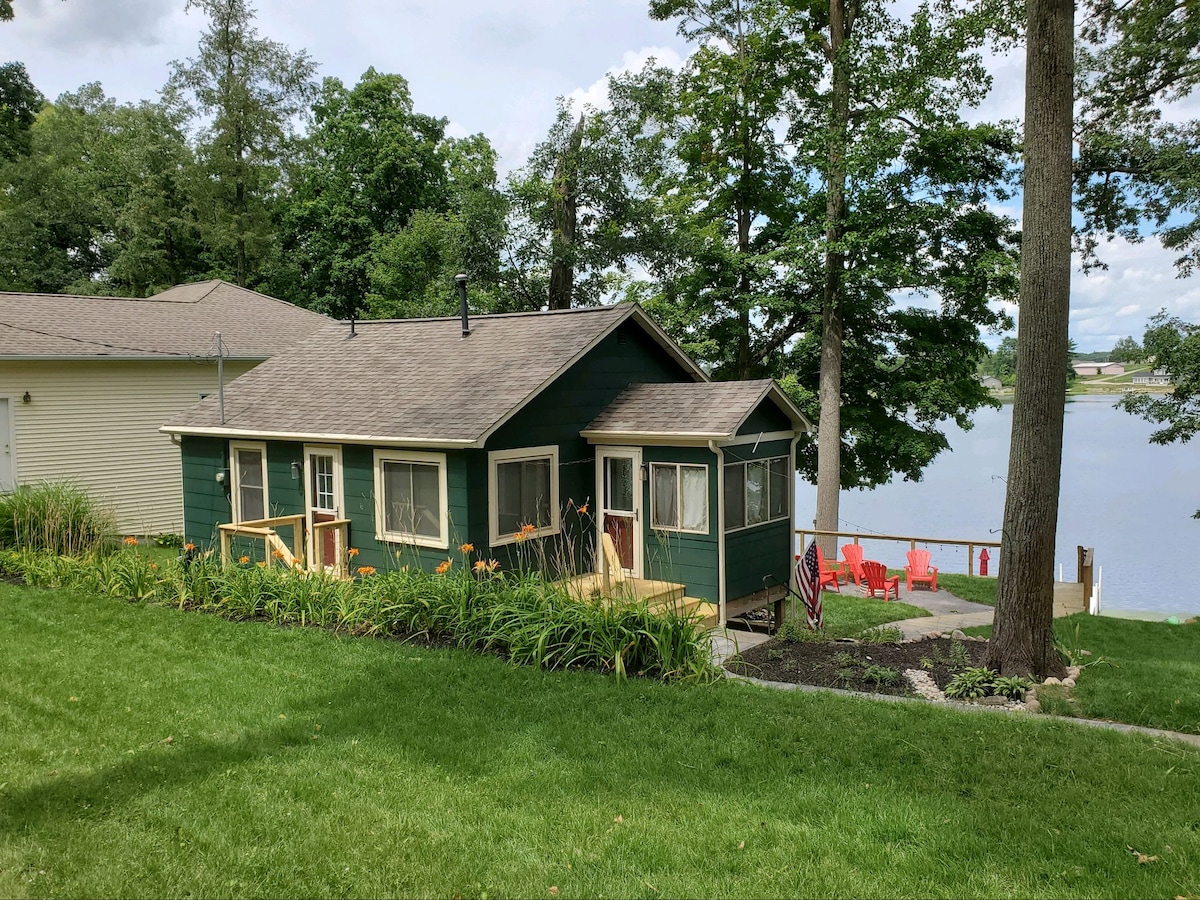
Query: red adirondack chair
(877, 580)
(919, 570)
(852, 554)
(830, 571)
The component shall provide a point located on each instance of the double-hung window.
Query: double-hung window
(523, 488)
(679, 497)
(756, 492)
(410, 498)
(248, 464)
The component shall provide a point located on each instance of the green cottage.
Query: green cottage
(584, 443)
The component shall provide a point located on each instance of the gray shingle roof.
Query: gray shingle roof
(179, 322)
(707, 409)
(410, 381)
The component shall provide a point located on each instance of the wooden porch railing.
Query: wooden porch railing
(340, 535)
(912, 541)
(266, 530)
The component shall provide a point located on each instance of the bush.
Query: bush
(56, 517)
(970, 684)
(518, 615)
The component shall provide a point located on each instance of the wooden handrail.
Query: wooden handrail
(912, 541)
(272, 522)
(332, 523)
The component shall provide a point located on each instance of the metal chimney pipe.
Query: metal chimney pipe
(461, 281)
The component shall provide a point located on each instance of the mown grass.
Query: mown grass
(848, 615)
(150, 752)
(969, 587)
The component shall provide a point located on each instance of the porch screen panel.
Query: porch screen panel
(411, 499)
(251, 493)
(523, 494)
(780, 483)
(756, 492)
(695, 498)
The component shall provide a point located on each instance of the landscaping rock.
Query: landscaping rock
(995, 700)
(1032, 705)
(1069, 682)
(957, 635)
(1052, 681)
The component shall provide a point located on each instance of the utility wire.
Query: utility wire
(66, 337)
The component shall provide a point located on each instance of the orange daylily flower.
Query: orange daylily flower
(528, 529)
(278, 554)
(493, 565)
(189, 546)
(480, 566)
(131, 541)
(583, 510)
(443, 568)
(467, 548)
(352, 552)
(366, 570)
(262, 564)
(243, 559)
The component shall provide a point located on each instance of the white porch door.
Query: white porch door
(6, 438)
(323, 503)
(619, 489)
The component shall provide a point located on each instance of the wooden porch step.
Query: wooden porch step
(691, 605)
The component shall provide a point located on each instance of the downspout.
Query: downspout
(792, 584)
(720, 454)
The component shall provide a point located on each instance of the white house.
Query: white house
(1157, 377)
(1084, 367)
(85, 383)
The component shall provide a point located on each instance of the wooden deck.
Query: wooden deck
(657, 595)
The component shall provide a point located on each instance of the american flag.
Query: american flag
(808, 584)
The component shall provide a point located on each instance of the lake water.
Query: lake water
(1129, 499)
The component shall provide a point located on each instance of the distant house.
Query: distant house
(1157, 377)
(991, 382)
(1083, 368)
(575, 441)
(85, 383)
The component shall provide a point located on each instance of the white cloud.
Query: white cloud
(596, 94)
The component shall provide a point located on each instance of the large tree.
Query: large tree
(1022, 641)
(20, 102)
(815, 205)
(249, 92)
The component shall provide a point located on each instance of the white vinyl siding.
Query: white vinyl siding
(95, 423)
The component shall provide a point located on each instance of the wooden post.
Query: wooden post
(1086, 563)
(298, 540)
(970, 559)
(225, 549)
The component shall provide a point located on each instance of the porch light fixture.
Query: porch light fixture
(222, 476)
(27, 398)
(296, 467)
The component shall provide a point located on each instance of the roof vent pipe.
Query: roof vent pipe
(461, 282)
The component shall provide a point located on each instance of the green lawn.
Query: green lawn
(969, 587)
(149, 752)
(847, 614)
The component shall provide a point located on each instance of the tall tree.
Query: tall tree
(1126, 349)
(1022, 641)
(20, 102)
(250, 92)
(798, 216)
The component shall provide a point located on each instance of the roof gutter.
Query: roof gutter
(721, 598)
(374, 440)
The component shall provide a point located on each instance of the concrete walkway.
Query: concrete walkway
(947, 612)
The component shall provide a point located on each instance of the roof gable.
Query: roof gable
(416, 382)
(178, 323)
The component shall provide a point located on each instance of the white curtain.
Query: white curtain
(695, 498)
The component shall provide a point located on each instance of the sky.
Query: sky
(497, 67)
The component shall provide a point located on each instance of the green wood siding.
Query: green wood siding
(556, 416)
(684, 558)
(760, 550)
(205, 502)
(766, 417)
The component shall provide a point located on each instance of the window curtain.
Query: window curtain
(695, 498)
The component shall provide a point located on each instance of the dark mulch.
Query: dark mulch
(849, 665)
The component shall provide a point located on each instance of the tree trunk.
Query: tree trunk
(566, 205)
(1023, 640)
(829, 392)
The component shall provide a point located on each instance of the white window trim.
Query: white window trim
(679, 498)
(789, 489)
(519, 455)
(442, 541)
(235, 480)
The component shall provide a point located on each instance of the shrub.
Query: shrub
(881, 675)
(57, 517)
(1011, 686)
(970, 684)
(883, 634)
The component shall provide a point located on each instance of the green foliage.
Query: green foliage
(1127, 350)
(846, 615)
(517, 615)
(958, 656)
(1011, 686)
(60, 518)
(881, 675)
(20, 102)
(970, 684)
(884, 634)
